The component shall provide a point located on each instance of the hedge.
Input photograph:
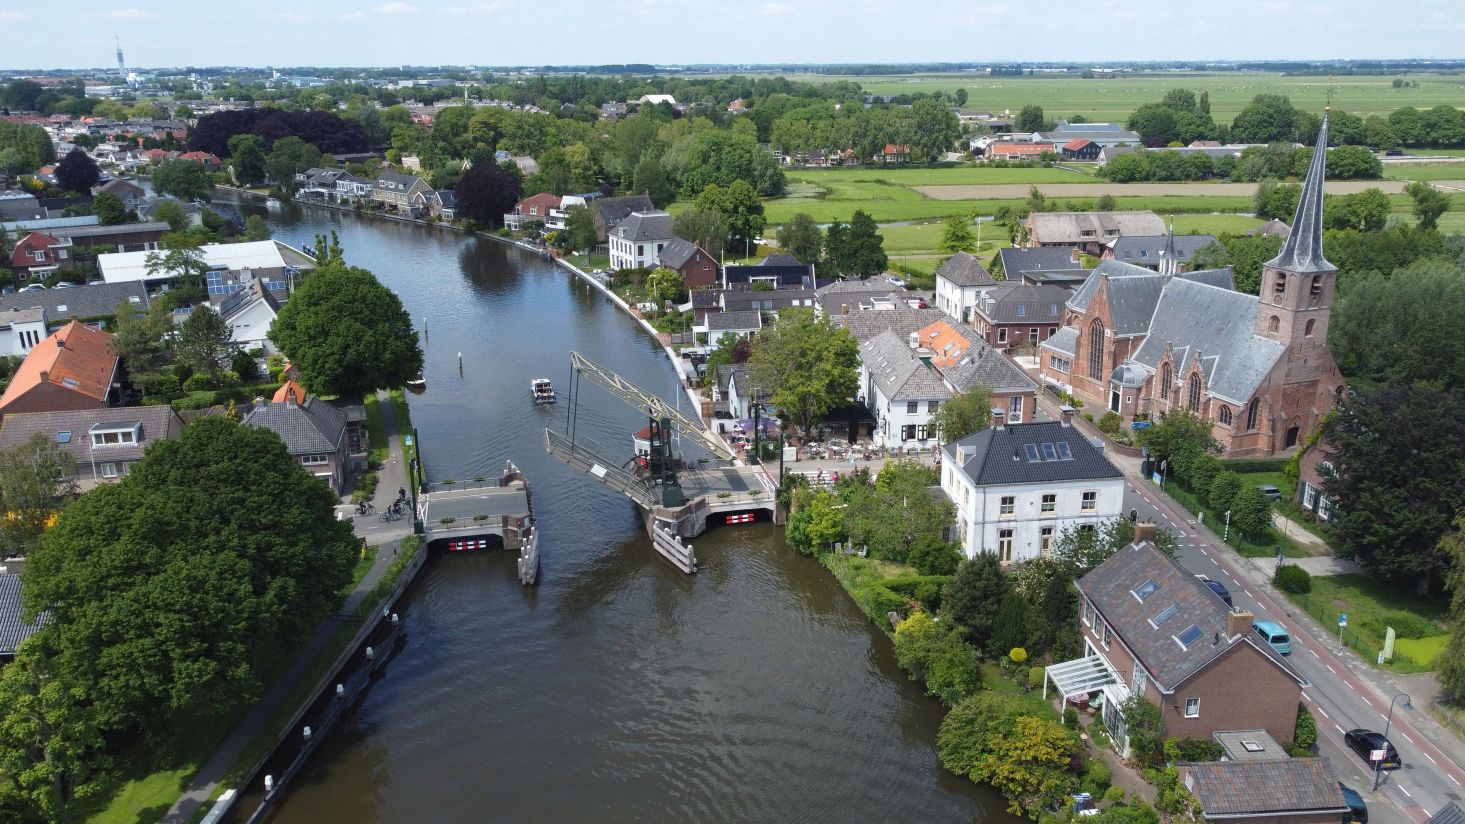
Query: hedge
(1246, 466)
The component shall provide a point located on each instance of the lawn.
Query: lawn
(376, 434)
(995, 678)
(1214, 224)
(1432, 171)
(1249, 546)
(895, 208)
(1373, 604)
(1063, 96)
(953, 175)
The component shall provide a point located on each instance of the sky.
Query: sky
(167, 33)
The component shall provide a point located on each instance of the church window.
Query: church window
(1193, 402)
(1225, 415)
(1307, 330)
(1096, 350)
(1251, 413)
(1165, 379)
(1317, 285)
(1281, 285)
(1274, 324)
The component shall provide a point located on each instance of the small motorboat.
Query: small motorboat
(417, 381)
(543, 391)
(272, 203)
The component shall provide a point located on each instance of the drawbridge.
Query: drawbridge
(677, 495)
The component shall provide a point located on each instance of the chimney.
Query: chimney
(1238, 622)
(60, 342)
(1074, 254)
(844, 308)
(1146, 531)
(999, 417)
(1066, 413)
(44, 375)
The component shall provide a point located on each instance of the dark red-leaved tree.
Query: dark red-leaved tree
(485, 193)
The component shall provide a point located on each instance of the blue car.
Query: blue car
(1275, 635)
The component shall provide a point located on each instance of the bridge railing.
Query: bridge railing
(578, 455)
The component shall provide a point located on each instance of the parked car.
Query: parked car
(1364, 742)
(33, 287)
(1218, 588)
(1270, 491)
(1357, 810)
(1275, 635)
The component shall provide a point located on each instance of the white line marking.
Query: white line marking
(1248, 592)
(1314, 654)
(1454, 779)
(1431, 760)
(1407, 738)
(1338, 728)
(1330, 669)
(1404, 791)
(1323, 711)
(1207, 554)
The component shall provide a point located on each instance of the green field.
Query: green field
(951, 175)
(1435, 171)
(1063, 96)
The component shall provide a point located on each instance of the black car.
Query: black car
(1218, 588)
(1365, 742)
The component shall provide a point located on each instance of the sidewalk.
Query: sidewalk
(385, 537)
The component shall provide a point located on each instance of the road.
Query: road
(1339, 699)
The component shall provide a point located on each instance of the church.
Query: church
(1257, 367)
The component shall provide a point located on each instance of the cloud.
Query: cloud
(122, 14)
(11, 16)
(775, 9)
(395, 8)
(290, 17)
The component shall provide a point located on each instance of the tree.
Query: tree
(936, 655)
(1366, 211)
(814, 521)
(1251, 511)
(171, 212)
(109, 209)
(802, 238)
(139, 342)
(989, 738)
(163, 587)
(246, 159)
(957, 235)
(1416, 309)
(967, 412)
(897, 519)
(705, 227)
(1146, 729)
(1245, 254)
(1450, 665)
(203, 341)
(1106, 202)
(651, 180)
(347, 333)
(1030, 119)
(741, 208)
(722, 157)
(77, 172)
(1012, 626)
(486, 193)
(255, 228)
(289, 157)
(184, 266)
(1076, 552)
(579, 229)
(37, 478)
(1428, 203)
(1268, 118)
(1395, 500)
(665, 284)
(861, 251)
(807, 363)
(961, 97)
(1179, 428)
(183, 179)
(1225, 488)
(934, 127)
(974, 596)
(1155, 123)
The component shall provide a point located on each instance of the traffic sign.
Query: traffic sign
(1342, 619)
(406, 440)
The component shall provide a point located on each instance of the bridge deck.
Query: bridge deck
(465, 504)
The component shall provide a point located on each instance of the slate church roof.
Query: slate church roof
(1217, 326)
(1303, 249)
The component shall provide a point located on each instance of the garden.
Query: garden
(1372, 605)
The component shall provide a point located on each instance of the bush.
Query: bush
(1406, 625)
(925, 589)
(1096, 777)
(1294, 579)
(1070, 717)
(199, 383)
(1111, 423)
(1035, 677)
(1306, 735)
(1191, 749)
(1114, 795)
(365, 488)
(1244, 466)
(936, 655)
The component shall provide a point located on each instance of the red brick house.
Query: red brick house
(40, 254)
(74, 368)
(697, 268)
(532, 209)
(1011, 314)
(210, 161)
(895, 153)
(1151, 628)
(1313, 471)
(1018, 151)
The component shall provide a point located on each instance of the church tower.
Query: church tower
(1297, 285)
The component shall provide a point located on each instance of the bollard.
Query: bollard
(395, 619)
(306, 732)
(370, 653)
(340, 691)
(269, 783)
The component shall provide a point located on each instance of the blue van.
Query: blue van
(1275, 635)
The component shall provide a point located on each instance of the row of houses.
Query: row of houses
(405, 194)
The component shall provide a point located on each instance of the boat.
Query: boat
(417, 381)
(542, 390)
(272, 203)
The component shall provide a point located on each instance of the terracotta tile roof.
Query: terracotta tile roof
(1075, 145)
(75, 356)
(288, 388)
(947, 344)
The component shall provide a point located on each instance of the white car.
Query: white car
(34, 287)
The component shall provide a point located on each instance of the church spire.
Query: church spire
(1303, 251)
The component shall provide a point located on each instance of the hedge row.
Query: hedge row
(1246, 466)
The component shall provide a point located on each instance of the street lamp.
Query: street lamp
(1387, 724)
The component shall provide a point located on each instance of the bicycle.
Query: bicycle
(365, 508)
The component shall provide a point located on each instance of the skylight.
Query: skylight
(1063, 452)
(1050, 453)
(1145, 590)
(1189, 636)
(1032, 450)
(1164, 615)
(1251, 746)
(63, 437)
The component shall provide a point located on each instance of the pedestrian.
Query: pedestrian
(401, 493)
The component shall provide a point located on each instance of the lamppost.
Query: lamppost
(1377, 771)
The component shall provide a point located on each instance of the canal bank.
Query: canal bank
(620, 689)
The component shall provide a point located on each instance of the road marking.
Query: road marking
(1314, 654)
(1338, 728)
(1203, 552)
(1330, 669)
(1406, 737)
(1248, 593)
(1431, 760)
(1404, 791)
(1323, 711)
(1454, 779)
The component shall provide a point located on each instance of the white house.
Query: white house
(230, 264)
(558, 218)
(960, 282)
(250, 312)
(21, 329)
(739, 324)
(636, 241)
(1017, 487)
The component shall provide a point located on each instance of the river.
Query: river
(618, 689)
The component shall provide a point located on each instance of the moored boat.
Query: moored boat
(542, 390)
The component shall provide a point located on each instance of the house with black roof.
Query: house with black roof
(1302, 790)
(697, 268)
(12, 629)
(960, 281)
(636, 241)
(1012, 314)
(313, 431)
(1152, 628)
(774, 276)
(1017, 486)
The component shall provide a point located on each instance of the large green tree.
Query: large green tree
(347, 333)
(1030, 119)
(705, 227)
(164, 589)
(802, 238)
(183, 179)
(203, 342)
(957, 235)
(1450, 664)
(1398, 456)
(897, 519)
(651, 180)
(1401, 328)
(140, 343)
(1178, 429)
(1245, 254)
(37, 479)
(722, 157)
(858, 249)
(288, 157)
(247, 159)
(741, 209)
(1267, 118)
(974, 596)
(1428, 203)
(807, 363)
(965, 413)
(77, 172)
(109, 209)
(486, 193)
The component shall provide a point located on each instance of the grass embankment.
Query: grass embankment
(1373, 604)
(879, 587)
(1425, 171)
(403, 413)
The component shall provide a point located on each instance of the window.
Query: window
(1280, 285)
(1088, 612)
(1090, 501)
(1033, 334)
(1164, 615)
(1050, 504)
(1193, 401)
(908, 432)
(1004, 545)
(911, 407)
(1060, 364)
(1309, 496)
(1096, 350)
(1225, 415)
(1045, 543)
(314, 460)
(1317, 285)
(109, 470)
(922, 432)
(1192, 708)
(113, 438)
(1307, 330)
(1002, 335)
(1014, 409)
(1165, 378)
(1273, 324)
(1145, 590)
(1104, 633)
(1189, 636)
(1251, 413)
(932, 406)
(1008, 505)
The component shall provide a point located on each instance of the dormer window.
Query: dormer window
(116, 434)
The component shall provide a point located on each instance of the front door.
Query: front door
(1114, 401)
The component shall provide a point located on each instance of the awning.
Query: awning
(1080, 676)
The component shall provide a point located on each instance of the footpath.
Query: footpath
(382, 535)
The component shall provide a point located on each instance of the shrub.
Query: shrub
(1250, 465)
(365, 488)
(1096, 776)
(1406, 625)
(1114, 795)
(1111, 423)
(1035, 677)
(1070, 717)
(1293, 578)
(936, 655)
(198, 383)
(480, 517)
(1191, 749)
(925, 589)
(447, 520)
